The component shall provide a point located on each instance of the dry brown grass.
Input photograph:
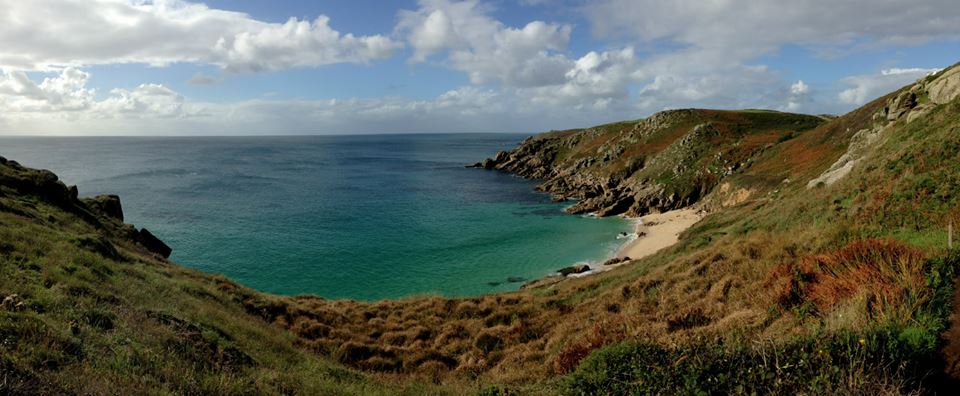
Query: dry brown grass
(887, 274)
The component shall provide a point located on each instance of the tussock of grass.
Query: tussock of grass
(886, 274)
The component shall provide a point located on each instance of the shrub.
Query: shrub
(603, 333)
(890, 275)
(878, 360)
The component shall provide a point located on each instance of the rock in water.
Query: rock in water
(153, 243)
(616, 260)
(574, 269)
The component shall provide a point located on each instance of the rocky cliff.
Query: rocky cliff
(667, 161)
(104, 212)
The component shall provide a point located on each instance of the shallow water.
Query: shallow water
(362, 217)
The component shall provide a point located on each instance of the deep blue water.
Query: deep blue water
(362, 217)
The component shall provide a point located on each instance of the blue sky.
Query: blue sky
(172, 67)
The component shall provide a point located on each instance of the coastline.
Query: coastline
(652, 233)
(658, 231)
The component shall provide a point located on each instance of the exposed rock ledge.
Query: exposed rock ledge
(104, 211)
(668, 161)
(909, 104)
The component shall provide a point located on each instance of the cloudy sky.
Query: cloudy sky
(172, 67)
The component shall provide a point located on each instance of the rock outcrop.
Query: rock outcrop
(910, 103)
(667, 161)
(107, 205)
(945, 87)
(104, 212)
(153, 244)
(574, 269)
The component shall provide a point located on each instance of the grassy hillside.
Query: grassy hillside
(822, 267)
(88, 310)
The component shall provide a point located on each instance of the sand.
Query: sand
(659, 230)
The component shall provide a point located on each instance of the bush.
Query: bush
(881, 360)
(890, 275)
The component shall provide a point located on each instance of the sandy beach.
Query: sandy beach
(658, 231)
(655, 232)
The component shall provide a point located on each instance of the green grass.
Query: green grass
(88, 324)
(881, 357)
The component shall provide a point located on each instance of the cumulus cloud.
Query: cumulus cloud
(597, 80)
(715, 43)
(748, 28)
(66, 95)
(64, 92)
(45, 35)
(484, 48)
(864, 88)
(157, 109)
(146, 100)
(799, 88)
(529, 62)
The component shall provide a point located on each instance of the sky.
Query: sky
(253, 67)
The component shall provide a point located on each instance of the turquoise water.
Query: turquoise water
(362, 217)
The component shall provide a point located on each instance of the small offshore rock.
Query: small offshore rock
(616, 260)
(574, 269)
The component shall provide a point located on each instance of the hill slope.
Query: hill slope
(822, 267)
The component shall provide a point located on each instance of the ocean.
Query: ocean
(359, 217)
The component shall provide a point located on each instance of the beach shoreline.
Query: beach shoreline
(652, 233)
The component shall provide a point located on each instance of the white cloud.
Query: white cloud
(484, 48)
(709, 45)
(864, 88)
(299, 43)
(597, 80)
(145, 101)
(64, 92)
(67, 96)
(799, 88)
(45, 35)
(28, 107)
(747, 28)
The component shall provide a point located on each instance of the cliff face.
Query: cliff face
(667, 161)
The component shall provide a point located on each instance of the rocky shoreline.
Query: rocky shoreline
(665, 162)
(658, 165)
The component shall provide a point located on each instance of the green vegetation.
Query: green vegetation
(884, 356)
(842, 287)
(75, 321)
